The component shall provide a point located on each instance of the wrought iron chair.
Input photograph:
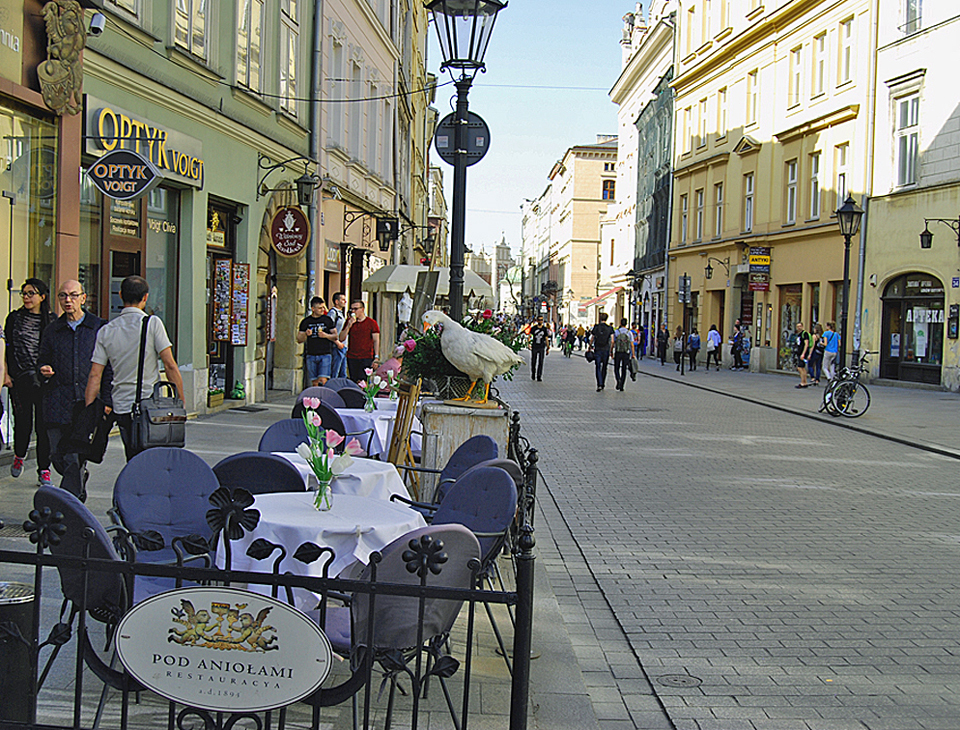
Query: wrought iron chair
(166, 491)
(259, 472)
(326, 395)
(284, 435)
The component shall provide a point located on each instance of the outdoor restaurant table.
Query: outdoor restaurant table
(357, 420)
(363, 478)
(353, 528)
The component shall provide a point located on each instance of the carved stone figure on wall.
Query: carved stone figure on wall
(61, 75)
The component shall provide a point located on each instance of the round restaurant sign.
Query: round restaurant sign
(223, 649)
(289, 231)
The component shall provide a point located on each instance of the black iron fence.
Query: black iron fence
(434, 673)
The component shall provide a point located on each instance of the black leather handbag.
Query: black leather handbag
(160, 420)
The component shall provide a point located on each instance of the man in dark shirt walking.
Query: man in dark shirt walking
(65, 351)
(318, 332)
(601, 342)
(539, 347)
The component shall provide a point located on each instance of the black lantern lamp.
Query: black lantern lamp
(463, 28)
(708, 269)
(306, 184)
(926, 237)
(848, 218)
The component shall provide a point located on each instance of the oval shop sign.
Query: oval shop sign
(223, 649)
(290, 231)
(124, 175)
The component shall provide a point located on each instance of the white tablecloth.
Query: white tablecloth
(364, 478)
(377, 443)
(354, 528)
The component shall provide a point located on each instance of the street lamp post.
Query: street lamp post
(463, 29)
(848, 219)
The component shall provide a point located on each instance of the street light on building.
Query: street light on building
(463, 29)
(848, 217)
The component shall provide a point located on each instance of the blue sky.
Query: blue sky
(550, 66)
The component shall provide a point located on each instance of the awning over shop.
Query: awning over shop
(403, 277)
(597, 300)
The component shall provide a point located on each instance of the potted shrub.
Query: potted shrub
(214, 397)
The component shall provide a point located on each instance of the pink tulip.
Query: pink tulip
(333, 438)
(368, 371)
(311, 402)
(410, 345)
(330, 455)
(362, 383)
(353, 447)
(315, 419)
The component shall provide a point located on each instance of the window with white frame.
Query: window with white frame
(815, 185)
(687, 130)
(819, 76)
(841, 164)
(355, 141)
(683, 218)
(702, 124)
(718, 210)
(907, 138)
(791, 176)
(911, 16)
(748, 202)
(707, 19)
(249, 24)
(722, 113)
(753, 95)
(691, 25)
(337, 108)
(845, 70)
(699, 220)
(289, 55)
(373, 125)
(386, 158)
(131, 6)
(190, 27)
(796, 77)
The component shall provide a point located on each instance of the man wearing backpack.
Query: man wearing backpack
(622, 350)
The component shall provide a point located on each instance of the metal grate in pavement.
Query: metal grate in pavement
(13, 530)
(250, 409)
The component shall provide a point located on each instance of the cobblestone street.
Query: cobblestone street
(722, 564)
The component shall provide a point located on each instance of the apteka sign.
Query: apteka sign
(124, 175)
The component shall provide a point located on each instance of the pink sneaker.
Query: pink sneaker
(16, 468)
(45, 480)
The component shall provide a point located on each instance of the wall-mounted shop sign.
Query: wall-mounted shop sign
(289, 231)
(11, 34)
(123, 175)
(331, 259)
(224, 650)
(175, 155)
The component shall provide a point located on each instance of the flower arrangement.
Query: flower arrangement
(371, 388)
(393, 381)
(425, 359)
(319, 453)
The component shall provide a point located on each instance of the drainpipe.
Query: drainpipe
(315, 209)
(868, 183)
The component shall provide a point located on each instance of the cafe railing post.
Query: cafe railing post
(530, 486)
(520, 690)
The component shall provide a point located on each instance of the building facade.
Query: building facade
(770, 104)
(911, 295)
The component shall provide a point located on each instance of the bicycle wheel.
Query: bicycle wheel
(829, 402)
(852, 399)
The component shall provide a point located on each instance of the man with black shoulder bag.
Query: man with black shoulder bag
(132, 344)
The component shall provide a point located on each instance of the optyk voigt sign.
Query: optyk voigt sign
(124, 175)
(223, 649)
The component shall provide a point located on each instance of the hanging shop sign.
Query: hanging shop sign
(223, 649)
(331, 259)
(175, 155)
(289, 231)
(11, 35)
(123, 175)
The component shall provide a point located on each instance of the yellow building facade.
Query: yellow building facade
(770, 116)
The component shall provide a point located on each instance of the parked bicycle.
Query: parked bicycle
(846, 395)
(567, 348)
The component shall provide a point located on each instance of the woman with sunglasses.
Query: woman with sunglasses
(22, 332)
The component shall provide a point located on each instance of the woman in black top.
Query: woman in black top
(22, 332)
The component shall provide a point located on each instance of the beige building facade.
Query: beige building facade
(772, 103)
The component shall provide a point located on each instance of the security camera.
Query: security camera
(97, 23)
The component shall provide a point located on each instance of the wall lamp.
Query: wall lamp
(926, 237)
(387, 227)
(708, 269)
(306, 183)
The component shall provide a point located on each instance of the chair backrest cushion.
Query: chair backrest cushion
(331, 419)
(352, 398)
(471, 452)
(284, 435)
(483, 500)
(397, 617)
(259, 472)
(339, 384)
(508, 465)
(105, 590)
(167, 490)
(326, 395)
